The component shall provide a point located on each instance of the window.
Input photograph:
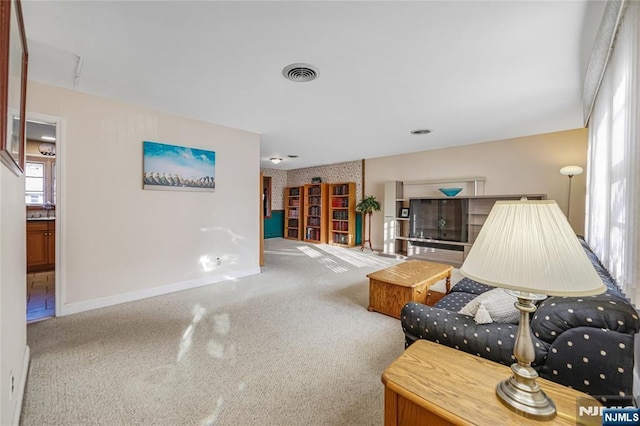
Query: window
(612, 224)
(34, 182)
(40, 184)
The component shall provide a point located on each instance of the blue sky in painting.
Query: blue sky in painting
(189, 163)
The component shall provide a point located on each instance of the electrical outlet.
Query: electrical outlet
(218, 261)
(12, 384)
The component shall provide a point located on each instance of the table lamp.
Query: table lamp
(529, 248)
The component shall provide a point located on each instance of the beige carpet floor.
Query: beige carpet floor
(294, 345)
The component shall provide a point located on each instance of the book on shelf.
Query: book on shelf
(341, 190)
(315, 190)
(340, 238)
(313, 234)
(340, 203)
(340, 215)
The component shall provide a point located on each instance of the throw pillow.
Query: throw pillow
(493, 306)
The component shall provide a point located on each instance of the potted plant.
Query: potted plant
(367, 206)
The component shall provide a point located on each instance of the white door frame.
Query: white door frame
(59, 122)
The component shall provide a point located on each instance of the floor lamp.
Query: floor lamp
(570, 171)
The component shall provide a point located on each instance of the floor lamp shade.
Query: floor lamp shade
(529, 248)
(571, 170)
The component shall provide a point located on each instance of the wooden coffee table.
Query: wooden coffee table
(391, 288)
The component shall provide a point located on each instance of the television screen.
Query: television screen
(438, 219)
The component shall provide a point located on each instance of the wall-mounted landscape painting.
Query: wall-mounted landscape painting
(178, 168)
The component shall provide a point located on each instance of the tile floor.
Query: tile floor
(41, 297)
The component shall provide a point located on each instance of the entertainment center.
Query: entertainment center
(438, 228)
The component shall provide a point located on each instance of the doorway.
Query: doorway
(41, 196)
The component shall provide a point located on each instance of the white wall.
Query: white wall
(527, 165)
(120, 242)
(117, 241)
(278, 183)
(350, 171)
(13, 329)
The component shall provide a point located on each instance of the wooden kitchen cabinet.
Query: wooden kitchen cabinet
(41, 245)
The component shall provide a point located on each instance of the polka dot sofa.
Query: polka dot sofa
(585, 343)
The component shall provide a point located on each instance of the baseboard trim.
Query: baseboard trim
(103, 302)
(17, 412)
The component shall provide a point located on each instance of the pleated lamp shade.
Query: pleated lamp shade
(529, 246)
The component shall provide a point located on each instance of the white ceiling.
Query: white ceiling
(471, 71)
(35, 130)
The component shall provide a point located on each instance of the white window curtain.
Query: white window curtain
(613, 171)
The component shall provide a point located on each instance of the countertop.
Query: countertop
(31, 219)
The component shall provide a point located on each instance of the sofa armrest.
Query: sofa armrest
(556, 315)
(493, 341)
(467, 285)
(593, 360)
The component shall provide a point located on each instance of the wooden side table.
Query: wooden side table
(432, 384)
(391, 288)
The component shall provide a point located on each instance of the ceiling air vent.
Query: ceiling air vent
(300, 73)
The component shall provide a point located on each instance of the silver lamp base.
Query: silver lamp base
(521, 393)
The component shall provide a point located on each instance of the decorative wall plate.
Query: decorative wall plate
(48, 149)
